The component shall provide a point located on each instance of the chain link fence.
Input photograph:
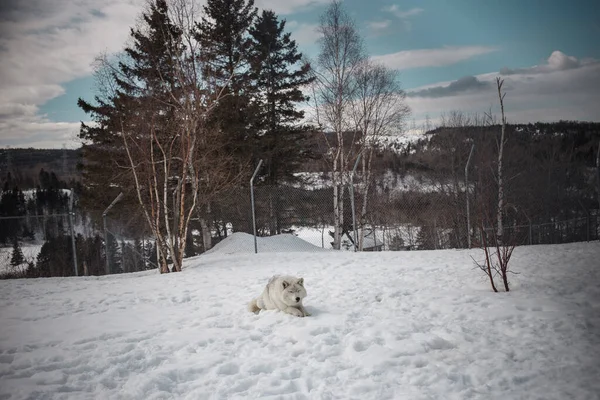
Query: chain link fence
(32, 243)
(395, 216)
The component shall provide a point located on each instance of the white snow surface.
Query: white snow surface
(240, 242)
(388, 325)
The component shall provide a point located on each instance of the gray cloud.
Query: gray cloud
(558, 61)
(401, 14)
(462, 85)
(45, 44)
(286, 7)
(562, 88)
(437, 57)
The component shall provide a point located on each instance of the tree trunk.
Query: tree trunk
(367, 164)
(500, 230)
(336, 204)
(598, 173)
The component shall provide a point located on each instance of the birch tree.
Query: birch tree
(156, 108)
(598, 174)
(501, 143)
(378, 109)
(341, 55)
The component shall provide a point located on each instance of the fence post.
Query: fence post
(352, 202)
(467, 195)
(252, 204)
(106, 230)
(72, 232)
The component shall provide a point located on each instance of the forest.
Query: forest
(551, 166)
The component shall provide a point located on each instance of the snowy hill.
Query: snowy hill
(393, 325)
(240, 242)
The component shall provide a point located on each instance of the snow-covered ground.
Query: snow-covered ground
(392, 182)
(391, 325)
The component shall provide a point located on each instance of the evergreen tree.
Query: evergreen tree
(151, 255)
(17, 257)
(141, 103)
(225, 51)
(31, 272)
(43, 262)
(28, 233)
(12, 204)
(114, 256)
(44, 179)
(277, 69)
(138, 254)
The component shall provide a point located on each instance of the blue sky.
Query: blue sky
(448, 54)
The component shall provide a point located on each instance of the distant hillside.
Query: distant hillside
(25, 164)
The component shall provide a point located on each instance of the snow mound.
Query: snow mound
(240, 242)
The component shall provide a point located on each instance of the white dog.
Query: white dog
(283, 293)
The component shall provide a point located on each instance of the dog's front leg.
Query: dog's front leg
(303, 310)
(294, 311)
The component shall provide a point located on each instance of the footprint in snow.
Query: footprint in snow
(360, 346)
(228, 369)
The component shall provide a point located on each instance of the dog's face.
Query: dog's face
(293, 291)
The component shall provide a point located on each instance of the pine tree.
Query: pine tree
(12, 204)
(17, 257)
(223, 36)
(225, 51)
(144, 81)
(28, 233)
(43, 262)
(277, 68)
(114, 256)
(138, 254)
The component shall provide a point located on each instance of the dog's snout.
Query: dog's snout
(297, 299)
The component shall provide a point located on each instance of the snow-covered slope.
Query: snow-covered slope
(394, 325)
(240, 242)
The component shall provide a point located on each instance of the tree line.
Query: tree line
(183, 115)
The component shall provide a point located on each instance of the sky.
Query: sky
(448, 54)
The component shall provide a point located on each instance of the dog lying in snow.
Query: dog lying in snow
(283, 293)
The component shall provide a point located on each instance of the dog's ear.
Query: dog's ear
(285, 284)
(301, 281)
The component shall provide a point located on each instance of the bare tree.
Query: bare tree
(341, 55)
(501, 144)
(176, 162)
(378, 109)
(598, 174)
(501, 244)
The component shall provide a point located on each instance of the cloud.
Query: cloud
(45, 44)
(558, 61)
(379, 26)
(395, 10)
(38, 132)
(304, 34)
(563, 87)
(402, 15)
(462, 85)
(439, 57)
(286, 7)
